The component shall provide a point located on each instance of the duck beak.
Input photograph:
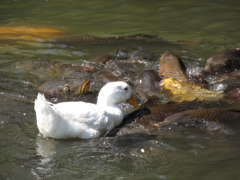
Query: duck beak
(85, 86)
(133, 102)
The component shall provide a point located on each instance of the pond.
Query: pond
(193, 30)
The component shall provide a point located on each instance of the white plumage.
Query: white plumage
(80, 119)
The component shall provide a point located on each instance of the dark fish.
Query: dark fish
(89, 39)
(140, 55)
(223, 62)
(171, 66)
(196, 116)
(148, 80)
(147, 86)
(49, 70)
(104, 76)
(162, 117)
(160, 112)
(65, 87)
(103, 59)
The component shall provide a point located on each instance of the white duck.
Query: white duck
(80, 119)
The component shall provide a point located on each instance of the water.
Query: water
(195, 30)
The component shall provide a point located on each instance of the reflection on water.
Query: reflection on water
(193, 30)
(138, 156)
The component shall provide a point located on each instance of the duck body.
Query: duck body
(80, 119)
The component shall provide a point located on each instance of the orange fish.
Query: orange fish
(28, 34)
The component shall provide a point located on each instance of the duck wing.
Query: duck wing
(81, 112)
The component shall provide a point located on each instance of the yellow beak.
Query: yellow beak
(85, 87)
(133, 102)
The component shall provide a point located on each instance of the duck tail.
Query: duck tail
(41, 104)
(45, 115)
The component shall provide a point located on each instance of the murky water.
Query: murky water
(194, 30)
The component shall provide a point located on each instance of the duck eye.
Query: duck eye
(125, 88)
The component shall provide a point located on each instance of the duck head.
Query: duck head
(114, 93)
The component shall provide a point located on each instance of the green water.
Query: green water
(194, 30)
